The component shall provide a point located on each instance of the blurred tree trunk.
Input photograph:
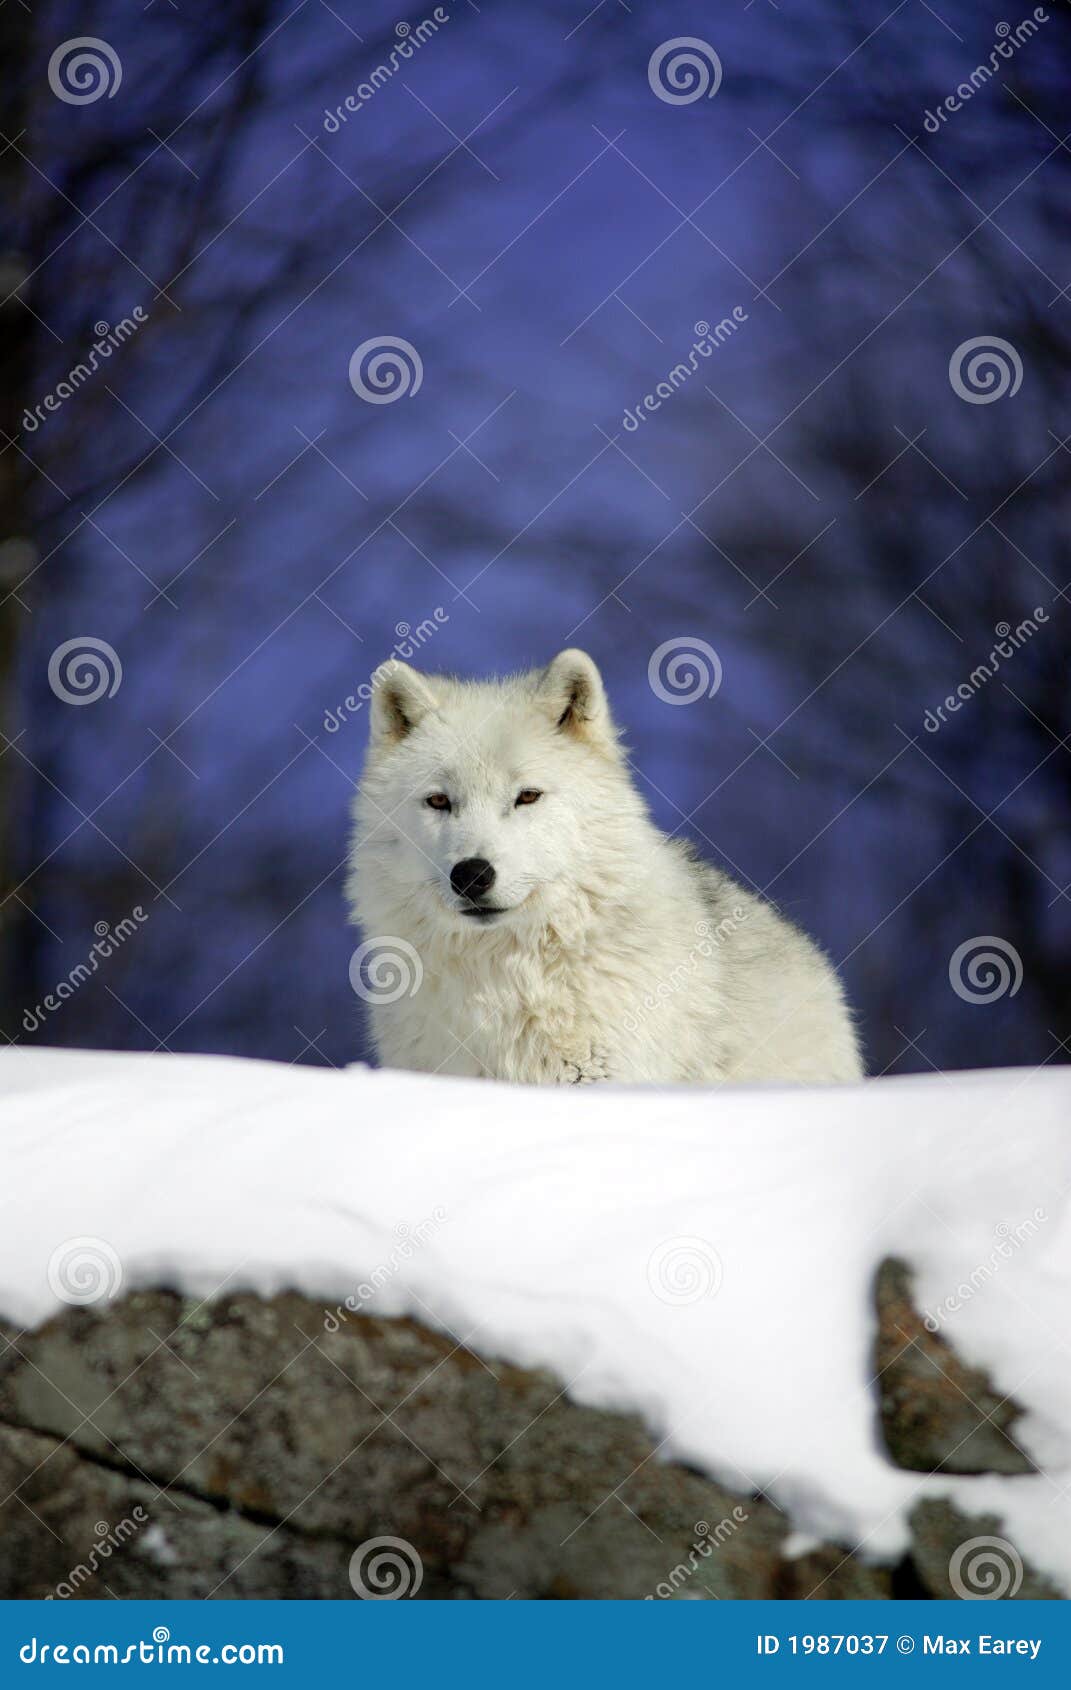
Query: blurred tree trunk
(15, 551)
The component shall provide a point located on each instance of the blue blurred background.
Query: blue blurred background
(818, 504)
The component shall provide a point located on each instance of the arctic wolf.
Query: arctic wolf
(544, 929)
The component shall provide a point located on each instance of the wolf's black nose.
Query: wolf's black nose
(472, 878)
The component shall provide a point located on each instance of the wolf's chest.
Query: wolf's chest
(511, 1027)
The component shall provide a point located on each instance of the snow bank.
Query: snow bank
(703, 1257)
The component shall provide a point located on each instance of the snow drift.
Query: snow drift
(671, 1252)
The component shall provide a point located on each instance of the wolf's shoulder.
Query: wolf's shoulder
(755, 924)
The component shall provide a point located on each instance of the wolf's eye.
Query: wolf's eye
(437, 801)
(528, 795)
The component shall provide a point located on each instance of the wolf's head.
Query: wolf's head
(493, 805)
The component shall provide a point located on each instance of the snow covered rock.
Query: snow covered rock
(154, 1447)
(538, 1335)
(937, 1415)
(285, 1445)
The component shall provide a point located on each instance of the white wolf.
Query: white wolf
(545, 930)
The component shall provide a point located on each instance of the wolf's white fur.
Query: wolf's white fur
(619, 955)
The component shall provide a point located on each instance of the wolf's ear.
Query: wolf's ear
(400, 698)
(571, 689)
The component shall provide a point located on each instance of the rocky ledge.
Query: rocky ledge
(157, 1448)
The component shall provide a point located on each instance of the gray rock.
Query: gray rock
(154, 1447)
(956, 1555)
(937, 1414)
